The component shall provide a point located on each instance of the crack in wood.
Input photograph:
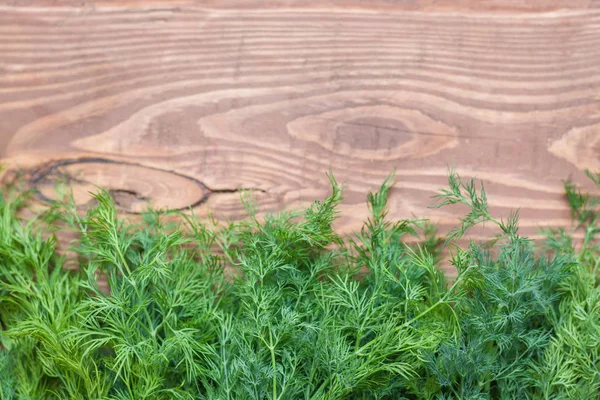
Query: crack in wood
(124, 198)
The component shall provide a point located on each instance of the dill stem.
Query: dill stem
(440, 301)
(595, 269)
(321, 388)
(358, 338)
(586, 240)
(274, 365)
(300, 294)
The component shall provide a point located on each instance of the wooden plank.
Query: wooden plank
(185, 103)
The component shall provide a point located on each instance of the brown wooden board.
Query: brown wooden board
(186, 103)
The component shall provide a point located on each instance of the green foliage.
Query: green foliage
(284, 308)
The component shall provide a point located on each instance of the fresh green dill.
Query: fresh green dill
(282, 307)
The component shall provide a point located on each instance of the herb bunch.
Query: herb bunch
(285, 308)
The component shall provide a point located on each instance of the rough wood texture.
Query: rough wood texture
(185, 103)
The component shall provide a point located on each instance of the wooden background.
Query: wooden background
(187, 102)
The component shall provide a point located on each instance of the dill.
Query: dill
(152, 311)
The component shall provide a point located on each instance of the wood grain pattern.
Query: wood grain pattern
(186, 103)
